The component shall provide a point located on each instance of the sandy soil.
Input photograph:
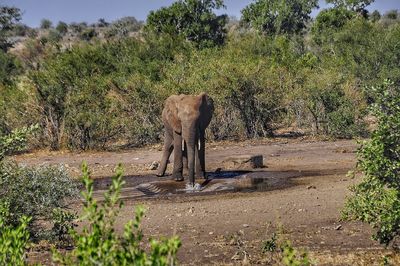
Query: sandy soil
(299, 193)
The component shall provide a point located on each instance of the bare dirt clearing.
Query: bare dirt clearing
(302, 190)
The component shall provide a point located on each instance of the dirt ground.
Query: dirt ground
(298, 193)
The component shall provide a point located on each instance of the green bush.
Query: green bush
(99, 244)
(35, 192)
(281, 251)
(13, 240)
(290, 256)
(16, 141)
(376, 200)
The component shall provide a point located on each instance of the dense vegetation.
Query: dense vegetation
(95, 86)
(376, 200)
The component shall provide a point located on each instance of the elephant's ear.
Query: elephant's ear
(206, 101)
(172, 116)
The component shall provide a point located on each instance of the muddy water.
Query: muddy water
(150, 186)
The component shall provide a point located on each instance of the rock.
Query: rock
(246, 225)
(311, 187)
(154, 165)
(338, 227)
(244, 161)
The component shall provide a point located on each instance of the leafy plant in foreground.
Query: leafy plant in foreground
(13, 240)
(376, 200)
(99, 244)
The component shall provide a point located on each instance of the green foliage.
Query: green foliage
(191, 19)
(271, 244)
(102, 23)
(21, 30)
(328, 22)
(122, 27)
(54, 36)
(63, 223)
(375, 16)
(376, 200)
(78, 27)
(281, 251)
(278, 16)
(9, 16)
(354, 5)
(35, 192)
(62, 27)
(45, 24)
(247, 99)
(392, 14)
(290, 256)
(13, 240)
(120, 75)
(88, 34)
(9, 68)
(98, 243)
(16, 141)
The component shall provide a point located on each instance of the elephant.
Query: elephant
(185, 118)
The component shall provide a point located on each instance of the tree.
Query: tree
(62, 27)
(88, 34)
(392, 14)
(9, 17)
(329, 21)
(45, 24)
(353, 5)
(192, 19)
(278, 16)
(123, 26)
(102, 23)
(375, 16)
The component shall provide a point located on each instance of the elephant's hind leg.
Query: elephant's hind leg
(167, 150)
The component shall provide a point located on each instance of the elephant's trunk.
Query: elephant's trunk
(190, 136)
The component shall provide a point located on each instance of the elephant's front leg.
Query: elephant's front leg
(178, 164)
(200, 157)
(185, 158)
(167, 150)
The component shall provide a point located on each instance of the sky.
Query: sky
(91, 10)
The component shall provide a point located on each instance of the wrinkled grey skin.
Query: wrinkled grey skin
(186, 118)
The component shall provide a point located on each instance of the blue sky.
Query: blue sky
(91, 10)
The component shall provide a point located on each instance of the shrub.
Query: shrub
(376, 200)
(98, 243)
(282, 252)
(35, 192)
(45, 24)
(16, 141)
(88, 34)
(290, 256)
(13, 240)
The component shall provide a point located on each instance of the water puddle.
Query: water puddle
(217, 182)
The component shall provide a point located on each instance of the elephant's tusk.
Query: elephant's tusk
(199, 144)
(183, 144)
